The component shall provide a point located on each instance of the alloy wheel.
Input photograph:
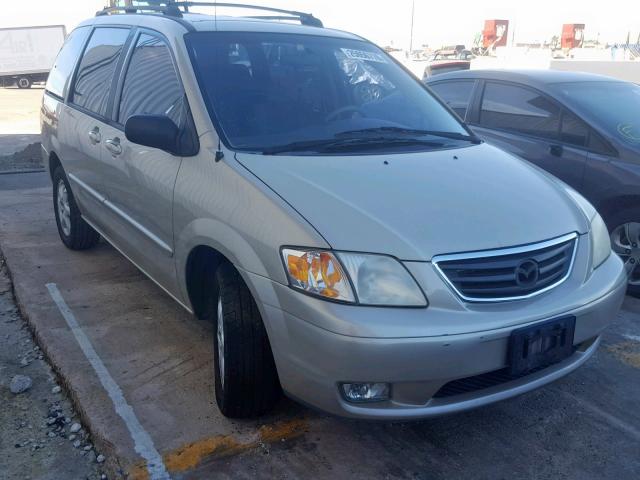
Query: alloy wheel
(220, 336)
(64, 210)
(625, 241)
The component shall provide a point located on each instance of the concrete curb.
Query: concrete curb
(14, 172)
(112, 466)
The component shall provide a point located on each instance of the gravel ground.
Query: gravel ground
(41, 437)
(27, 159)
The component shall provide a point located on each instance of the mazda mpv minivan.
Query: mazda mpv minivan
(354, 244)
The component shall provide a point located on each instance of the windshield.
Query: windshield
(614, 106)
(279, 93)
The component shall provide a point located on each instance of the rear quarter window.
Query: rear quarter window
(65, 61)
(573, 130)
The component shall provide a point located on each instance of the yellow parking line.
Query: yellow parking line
(192, 454)
(628, 352)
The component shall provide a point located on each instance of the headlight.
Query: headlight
(600, 241)
(318, 273)
(382, 280)
(376, 279)
(599, 233)
(582, 202)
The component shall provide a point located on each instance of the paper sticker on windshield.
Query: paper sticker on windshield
(363, 55)
(629, 132)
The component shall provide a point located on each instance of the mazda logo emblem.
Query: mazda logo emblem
(527, 273)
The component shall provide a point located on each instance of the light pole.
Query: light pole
(413, 11)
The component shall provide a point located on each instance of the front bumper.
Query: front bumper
(313, 360)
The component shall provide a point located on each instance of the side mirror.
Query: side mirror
(157, 131)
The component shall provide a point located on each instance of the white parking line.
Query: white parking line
(141, 439)
(606, 416)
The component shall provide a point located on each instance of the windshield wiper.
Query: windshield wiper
(410, 131)
(332, 144)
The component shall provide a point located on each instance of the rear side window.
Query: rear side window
(63, 68)
(455, 94)
(98, 64)
(508, 107)
(151, 59)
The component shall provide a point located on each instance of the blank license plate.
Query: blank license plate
(541, 345)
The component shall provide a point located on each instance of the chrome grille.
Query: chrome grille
(510, 273)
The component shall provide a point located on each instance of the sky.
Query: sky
(437, 23)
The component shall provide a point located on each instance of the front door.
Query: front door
(528, 124)
(139, 181)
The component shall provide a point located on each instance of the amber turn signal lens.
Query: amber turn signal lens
(318, 273)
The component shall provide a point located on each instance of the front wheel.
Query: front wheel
(625, 241)
(246, 379)
(74, 232)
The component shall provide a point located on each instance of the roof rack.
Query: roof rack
(168, 10)
(177, 8)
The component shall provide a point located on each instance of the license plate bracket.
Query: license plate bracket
(541, 344)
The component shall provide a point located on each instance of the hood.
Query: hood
(418, 205)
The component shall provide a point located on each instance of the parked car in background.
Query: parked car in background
(27, 53)
(353, 242)
(448, 60)
(582, 128)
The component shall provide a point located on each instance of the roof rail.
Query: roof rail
(177, 8)
(154, 7)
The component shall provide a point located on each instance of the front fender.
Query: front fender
(222, 238)
(224, 206)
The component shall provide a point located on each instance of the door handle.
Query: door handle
(113, 145)
(94, 136)
(556, 150)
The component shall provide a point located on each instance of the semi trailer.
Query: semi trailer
(27, 53)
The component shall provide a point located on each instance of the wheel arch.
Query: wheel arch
(54, 162)
(613, 207)
(200, 280)
(200, 249)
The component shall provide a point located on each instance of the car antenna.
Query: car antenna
(219, 152)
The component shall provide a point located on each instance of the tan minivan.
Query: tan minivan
(355, 244)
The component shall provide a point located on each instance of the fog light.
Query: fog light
(365, 392)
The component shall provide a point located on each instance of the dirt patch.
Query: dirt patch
(628, 352)
(27, 159)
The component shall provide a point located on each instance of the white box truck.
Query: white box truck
(27, 53)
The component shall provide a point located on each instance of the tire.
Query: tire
(74, 232)
(246, 381)
(616, 225)
(24, 82)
